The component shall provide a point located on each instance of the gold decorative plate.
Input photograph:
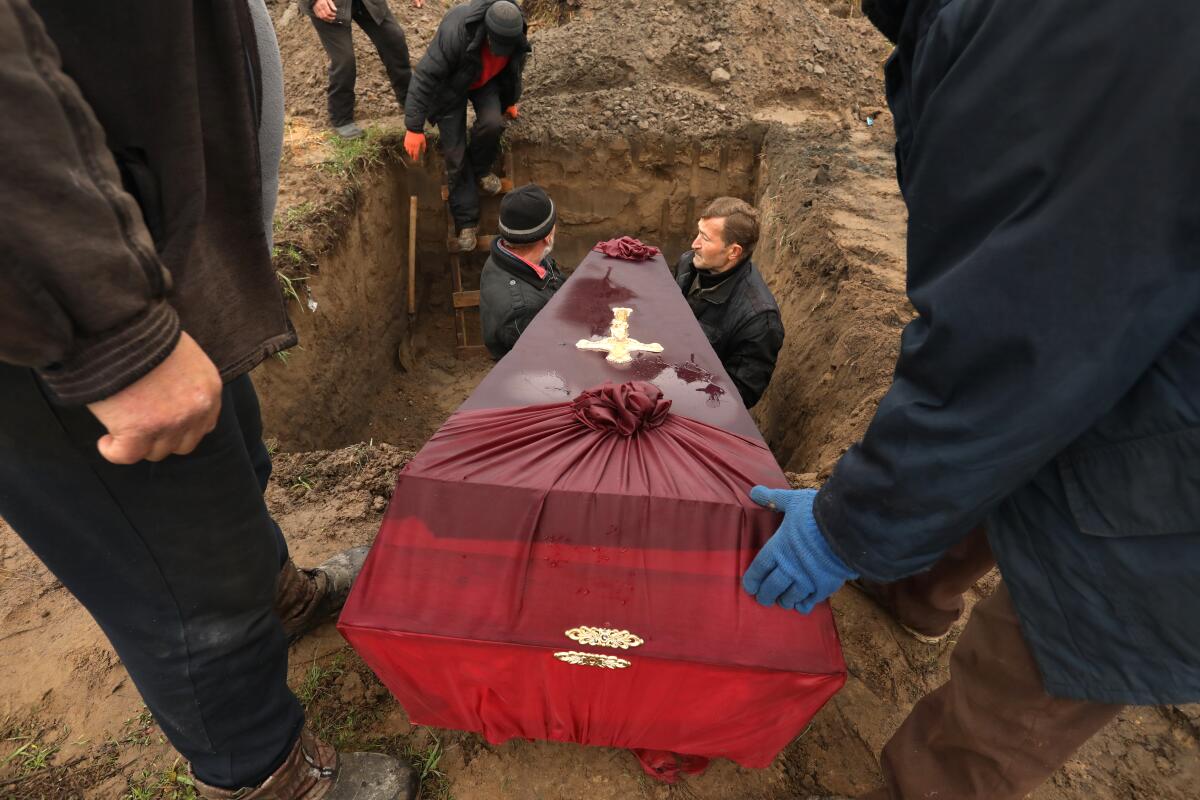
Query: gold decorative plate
(592, 660)
(604, 637)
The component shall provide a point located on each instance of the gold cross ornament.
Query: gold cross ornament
(618, 345)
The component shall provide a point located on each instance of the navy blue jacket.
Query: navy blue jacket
(1050, 386)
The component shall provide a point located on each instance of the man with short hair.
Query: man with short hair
(519, 277)
(477, 54)
(732, 303)
(331, 18)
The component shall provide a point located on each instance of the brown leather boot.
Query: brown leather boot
(883, 594)
(306, 598)
(314, 771)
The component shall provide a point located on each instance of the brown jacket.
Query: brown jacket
(131, 192)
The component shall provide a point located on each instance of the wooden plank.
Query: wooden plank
(412, 255)
(460, 321)
(483, 244)
(506, 186)
(471, 351)
(460, 316)
(468, 299)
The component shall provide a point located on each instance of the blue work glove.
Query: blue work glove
(795, 568)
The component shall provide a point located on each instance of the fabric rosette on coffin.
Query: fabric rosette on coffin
(515, 529)
(627, 248)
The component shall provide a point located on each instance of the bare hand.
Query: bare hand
(326, 10)
(166, 412)
(418, 3)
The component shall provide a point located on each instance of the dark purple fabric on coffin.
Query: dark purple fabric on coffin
(546, 367)
(627, 248)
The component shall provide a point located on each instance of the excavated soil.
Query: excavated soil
(629, 126)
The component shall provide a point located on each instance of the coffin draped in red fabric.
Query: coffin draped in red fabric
(516, 524)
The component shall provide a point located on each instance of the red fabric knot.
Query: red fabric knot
(624, 409)
(627, 248)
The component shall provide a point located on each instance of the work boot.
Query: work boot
(467, 240)
(490, 184)
(349, 131)
(315, 771)
(877, 592)
(306, 598)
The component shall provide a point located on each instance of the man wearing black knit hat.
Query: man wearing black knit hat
(477, 54)
(519, 277)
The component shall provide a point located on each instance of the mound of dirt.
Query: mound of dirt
(695, 66)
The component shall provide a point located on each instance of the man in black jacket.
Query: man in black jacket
(332, 20)
(478, 53)
(1047, 389)
(732, 303)
(519, 277)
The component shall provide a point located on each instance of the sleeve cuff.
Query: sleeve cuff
(101, 366)
(832, 525)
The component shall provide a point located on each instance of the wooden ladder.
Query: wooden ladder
(461, 299)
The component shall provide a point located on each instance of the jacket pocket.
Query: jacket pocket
(1144, 487)
(139, 180)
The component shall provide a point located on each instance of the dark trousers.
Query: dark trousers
(176, 561)
(388, 38)
(465, 164)
(991, 732)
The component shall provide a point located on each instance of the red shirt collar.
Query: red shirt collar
(538, 268)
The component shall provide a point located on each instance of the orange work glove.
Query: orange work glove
(414, 145)
(513, 111)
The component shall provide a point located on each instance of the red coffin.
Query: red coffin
(518, 525)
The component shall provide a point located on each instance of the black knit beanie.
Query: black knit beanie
(526, 215)
(505, 24)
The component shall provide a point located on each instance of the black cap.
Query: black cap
(527, 215)
(505, 25)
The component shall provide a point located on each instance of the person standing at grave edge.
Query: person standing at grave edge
(477, 54)
(1043, 413)
(332, 20)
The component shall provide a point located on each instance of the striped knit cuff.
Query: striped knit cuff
(104, 365)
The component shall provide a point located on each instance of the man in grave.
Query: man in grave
(731, 301)
(519, 277)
